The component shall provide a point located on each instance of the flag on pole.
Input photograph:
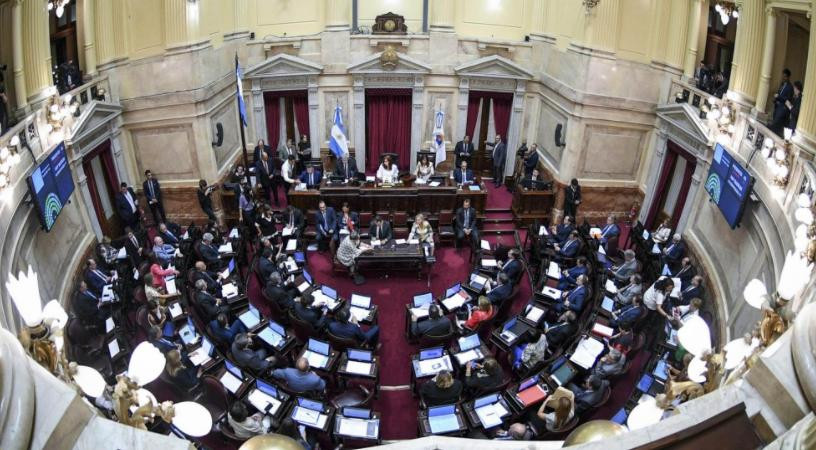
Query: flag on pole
(438, 142)
(337, 141)
(240, 91)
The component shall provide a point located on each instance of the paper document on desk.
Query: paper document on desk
(322, 299)
(587, 352)
(468, 356)
(455, 301)
(231, 382)
(226, 248)
(199, 357)
(260, 400)
(489, 263)
(551, 292)
(399, 241)
(113, 347)
(645, 234)
(233, 234)
(122, 254)
(107, 294)
(291, 265)
(291, 245)
(554, 271)
(306, 415)
(286, 232)
(485, 245)
(479, 279)
(109, 325)
(434, 366)
(610, 287)
(420, 312)
(608, 304)
(175, 310)
(303, 286)
(434, 184)
(177, 253)
(542, 231)
(602, 330)
(534, 314)
(490, 415)
(360, 314)
(474, 187)
(655, 249)
(358, 427)
(344, 231)
(375, 243)
(360, 368)
(676, 290)
(413, 241)
(229, 290)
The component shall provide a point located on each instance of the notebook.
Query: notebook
(552, 293)
(602, 330)
(531, 395)
(490, 414)
(456, 300)
(587, 352)
(563, 375)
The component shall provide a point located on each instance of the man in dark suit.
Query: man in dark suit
(674, 252)
(225, 332)
(133, 247)
(347, 220)
(325, 224)
(569, 248)
(573, 299)
(572, 198)
(256, 154)
(304, 151)
(208, 251)
(311, 177)
(157, 338)
(564, 328)
(86, 306)
(346, 167)
(306, 311)
(274, 291)
(95, 278)
(245, 356)
(265, 173)
(464, 150)
(531, 160)
(152, 192)
(685, 272)
(208, 303)
(610, 231)
(213, 280)
(513, 267)
(693, 290)
(169, 236)
(345, 326)
(499, 156)
(463, 175)
(380, 230)
(627, 314)
(127, 206)
(266, 263)
(590, 395)
(204, 199)
(293, 218)
(781, 113)
(562, 231)
(466, 224)
(501, 289)
(435, 325)
(532, 181)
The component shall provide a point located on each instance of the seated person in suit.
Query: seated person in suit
(95, 278)
(483, 312)
(466, 224)
(311, 177)
(590, 395)
(560, 233)
(347, 220)
(622, 273)
(181, 373)
(674, 252)
(564, 328)
(325, 223)
(243, 425)
(266, 263)
(513, 267)
(212, 279)
(388, 172)
(221, 329)
(156, 337)
(663, 232)
(380, 230)
(570, 276)
(500, 290)
(208, 250)
(293, 219)
(209, 304)
(628, 314)
(557, 410)
(346, 167)
(532, 351)
(345, 326)
(307, 312)
(531, 159)
(610, 364)
(463, 175)
(692, 291)
(164, 252)
(348, 251)
(435, 325)
(300, 378)
(170, 236)
(276, 292)
(443, 389)
(531, 181)
(627, 292)
(573, 299)
(485, 376)
(424, 169)
(685, 272)
(86, 306)
(610, 231)
(245, 356)
(423, 233)
(570, 247)
(682, 313)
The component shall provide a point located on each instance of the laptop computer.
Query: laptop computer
(188, 332)
(309, 412)
(451, 291)
(477, 281)
(267, 388)
(468, 342)
(310, 404)
(563, 374)
(356, 413)
(442, 419)
(307, 276)
(317, 352)
(527, 383)
(359, 361)
(620, 417)
(360, 355)
(361, 301)
(264, 397)
(233, 369)
(423, 299)
(645, 383)
(512, 329)
(431, 353)
(357, 422)
(202, 354)
(661, 370)
(329, 292)
(251, 317)
(273, 334)
(486, 400)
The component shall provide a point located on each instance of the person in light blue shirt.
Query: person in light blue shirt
(164, 252)
(300, 378)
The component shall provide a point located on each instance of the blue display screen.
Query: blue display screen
(51, 185)
(728, 184)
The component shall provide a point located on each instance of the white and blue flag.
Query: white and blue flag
(240, 92)
(337, 141)
(438, 134)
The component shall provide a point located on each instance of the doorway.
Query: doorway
(102, 180)
(488, 115)
(671, 191)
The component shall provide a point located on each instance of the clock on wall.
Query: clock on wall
(389, 23)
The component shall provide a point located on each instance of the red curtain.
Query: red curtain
(272, 107)
(103, 151)
(662, 187)
(388, 126)
(472, 113)
(683, 194)
(86, 166)
(300, 103)
(501, 115)
(502, 103)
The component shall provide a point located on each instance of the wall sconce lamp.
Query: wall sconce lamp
(778, 159)
(723, 115)
(589, 5)
(58, 6)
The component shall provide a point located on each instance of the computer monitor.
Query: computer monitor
(233, 369)
(620, 417)
(422, 299)
(360, 355)
(267, 388)
(310, 404)
(510, 323)
(277, 328)
(430, 353)
(468, 342)
(207, 346)
(451, 291)
(307, 276)
(329, 292)
(360, 301)
(486, 400)
(661, 370)
(318, 346)
(645, 382)
(443, 410)
(356, 413)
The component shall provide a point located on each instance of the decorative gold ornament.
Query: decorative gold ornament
(684, 390)
(594, 431)
(715, 369)
(810, 249)
(36, 342)
(774, 320)
(125, 395)
(389, 58)
(271, 441)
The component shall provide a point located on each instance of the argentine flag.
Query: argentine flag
(438, 134)
(240, 92)
(337, 141)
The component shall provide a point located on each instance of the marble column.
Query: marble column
(358, 102)
(338, 15)
(180, 23)
(104, 32)
(36, 49)
(88, 30)
(692, 37)
(654, 171)
(806, 125)
(514, 133)
(17, 66)
(259, 112)
(700, 171)
(442, 16)
(767, 60)
(601, 29)
(120, 50)
(417, 106)
(748, 50)
(462, 106)
(678, 14)
(314, 115)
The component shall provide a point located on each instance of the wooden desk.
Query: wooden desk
(282, 396)
(531, 205)
(368, 197)
(372, 378)
(473, 418)
(403, 257)
(349, 440)
(425, 425)
(334, 356)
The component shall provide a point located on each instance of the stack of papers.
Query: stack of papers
(433, 366)
(399, 241)
(491, 415)
(485, 245)
(554, 271)
(307, 416)
(375, 243)
(291, 245)
(226, 248)
(358, 367)
(552, 293)
(534, 314)
(455, 301)
(468, 356)
(413, 241)
(434, 184)
(610, 287)
(602, 330)
(587, 352)
(488, 262)
(229, 290)
(286, 231)
(532, 394)
(175, 310)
